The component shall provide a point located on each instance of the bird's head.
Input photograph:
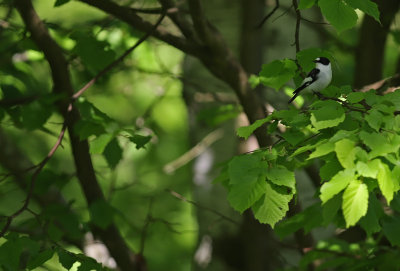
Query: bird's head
(322, 60)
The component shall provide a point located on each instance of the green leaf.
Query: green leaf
(365, 6)
(306, 57)
(85, 129)
(243, 195)
(330, 168)
(139, 140)
(113, 153)
(216, 115)
(328, 114)
(40, 259)
(322, 150)
(355, 97)
(66, 258)
(272, 207)
(378, 143)
(95, 54)
(35, 114)
(304, 4)
(385, 182)
(370, 222)
(98, 145)
(89, 264)
(101, 213)
(331, 208)
(60, 2)
(247, 180)
(246, 131)
(280, 175)
(355, 202)
(338, 14)
(368, 169)
(391, 229)
(307, 219)
(276, 73)
(345, 152)
(293, 136)
(337, 184)
(374, 119)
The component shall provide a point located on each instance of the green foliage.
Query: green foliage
(277, 73)
(339, 14)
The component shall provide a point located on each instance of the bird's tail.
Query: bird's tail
(296, 93)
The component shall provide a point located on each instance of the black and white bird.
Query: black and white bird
(318, 78)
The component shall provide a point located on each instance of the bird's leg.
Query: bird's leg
(319, 95)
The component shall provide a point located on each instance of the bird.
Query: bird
(317, 79)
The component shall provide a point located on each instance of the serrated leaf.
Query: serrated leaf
(247, 180)
(306, 57)
(366, 6)
(98, 145)
(370, 222)
(338, 14)
(378, 143)
(328, 114)
(113, 153)
(322, 150)
(272, 207)
(276, 73)
(243, 195)
(368, 169)
(40, 259)
(345, 152)
(280, 175)
(355, 202)
(246, 131)
(101, 213)
(374, 119)
(385, 182)
(66, 258)
(339, 182)
(88, 264)
(139, 140)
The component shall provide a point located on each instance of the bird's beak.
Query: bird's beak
(315, 61)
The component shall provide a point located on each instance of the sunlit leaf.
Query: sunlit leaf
(272, 207)
(278, 72)
(355, 202)
(337, 184)
(339, 14)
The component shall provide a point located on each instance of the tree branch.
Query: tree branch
(130, 17)
(111, 237)
(268, 15)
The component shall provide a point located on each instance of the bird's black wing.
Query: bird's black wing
(313, 77)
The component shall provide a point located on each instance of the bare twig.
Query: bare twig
(194, 152)
(298, 19)
(179, 196)
(33, 180)
(118, 60)
(268, 15)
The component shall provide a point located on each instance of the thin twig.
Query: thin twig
(268, 15)
(298, 19)
(118, 60)
(179, 196)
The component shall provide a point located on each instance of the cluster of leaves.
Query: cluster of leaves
(357, 137)
(23, 253)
